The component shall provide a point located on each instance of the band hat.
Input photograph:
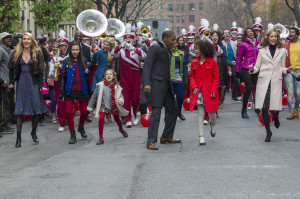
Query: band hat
(63, 41)
(128, 36)
(234, 28)
(4, 35)
(257, 25)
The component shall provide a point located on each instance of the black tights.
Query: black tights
(35, 121)
(265, 115)
(249, 81)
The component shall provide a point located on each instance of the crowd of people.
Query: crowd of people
(105, 77)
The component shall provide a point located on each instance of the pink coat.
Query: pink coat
(205, 77)
(246, 54)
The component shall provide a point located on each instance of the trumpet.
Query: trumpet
(103, 36)
(206, 34)
(55, 72)
(145, 30)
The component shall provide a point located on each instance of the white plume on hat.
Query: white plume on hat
(270, 26)
(201, 21)
(167, 29)
(240, 30)
(216, 27)
(234, 24)
(128, 27)
(205, 23)
(257, 20)
(149, 27)
(192, 28)
(62, 33)
(183, 31)
(139, 24)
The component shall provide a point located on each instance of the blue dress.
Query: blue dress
(29, 99)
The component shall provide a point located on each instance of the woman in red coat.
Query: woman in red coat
(204, 83)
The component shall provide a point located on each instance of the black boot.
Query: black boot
(82, 131)
(89, 118)
(276, 119)
(244, 113)
(1, 134)
(268, 137)
(257, 111)
(181, 116)
(34, 137)
(73, 139)
(19, 140)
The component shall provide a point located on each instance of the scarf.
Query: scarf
(113, 100)
(7, 49)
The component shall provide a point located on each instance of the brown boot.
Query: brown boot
(291, 116)
(296, 114)
(124, 133)
(151, 146)
(108, 117)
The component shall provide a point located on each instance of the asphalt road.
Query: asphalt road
(236, 164)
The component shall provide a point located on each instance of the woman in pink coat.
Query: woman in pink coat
(246, 56)
(204, 84)
(270, 64)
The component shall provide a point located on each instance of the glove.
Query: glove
(130, 47)
(124, 44)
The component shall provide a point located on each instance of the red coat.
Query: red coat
(205, 77)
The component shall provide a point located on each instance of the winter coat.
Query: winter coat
(270, 69)
(97, 97)
(101, 58)
(205, 77)
(246, 54)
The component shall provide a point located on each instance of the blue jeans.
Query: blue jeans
(293, 91)
(178, 91)
(236, 83)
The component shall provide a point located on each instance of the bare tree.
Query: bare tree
(294, 8)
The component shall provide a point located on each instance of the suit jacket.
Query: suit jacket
(86, 51)
(270, 70)
(156, 73)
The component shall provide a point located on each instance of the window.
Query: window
(200, 6)
(178, 7)
(177, 19)
(191, 6)
(182, 7)
(191, 18)
(170, 7)
(182, 19)
(178, 30)
(160, 7)
(171, 19)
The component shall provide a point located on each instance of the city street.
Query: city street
(236, 164)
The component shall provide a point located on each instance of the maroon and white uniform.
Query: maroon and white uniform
(130, 77)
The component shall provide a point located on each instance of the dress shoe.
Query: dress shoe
(34, 137)
(181, 116)
(268, 137)
(19, 140)
(89, 118)
(82, 131)
(124, 133)
(128, 124)
(108, 117)
(205, 122)
(135, 122)
(151, 146)
(202, 141)
(169, 140)
(73, 139)
(244, 113)
(212, 130)
(100, 141)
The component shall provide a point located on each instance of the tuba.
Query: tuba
(145, 31)
(115, 27)
(283, 31)
(91, 22)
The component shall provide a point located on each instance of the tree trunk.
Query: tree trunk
(294, 9)
(248, 3)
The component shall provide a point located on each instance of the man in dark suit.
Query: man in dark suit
(158, 91)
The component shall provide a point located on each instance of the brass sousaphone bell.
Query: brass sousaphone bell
(91, 22)
(115, 27)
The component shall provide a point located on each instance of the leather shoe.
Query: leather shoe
(169, 140)
(124, 133)
(151, 146)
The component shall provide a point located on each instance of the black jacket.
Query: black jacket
(156, 73)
